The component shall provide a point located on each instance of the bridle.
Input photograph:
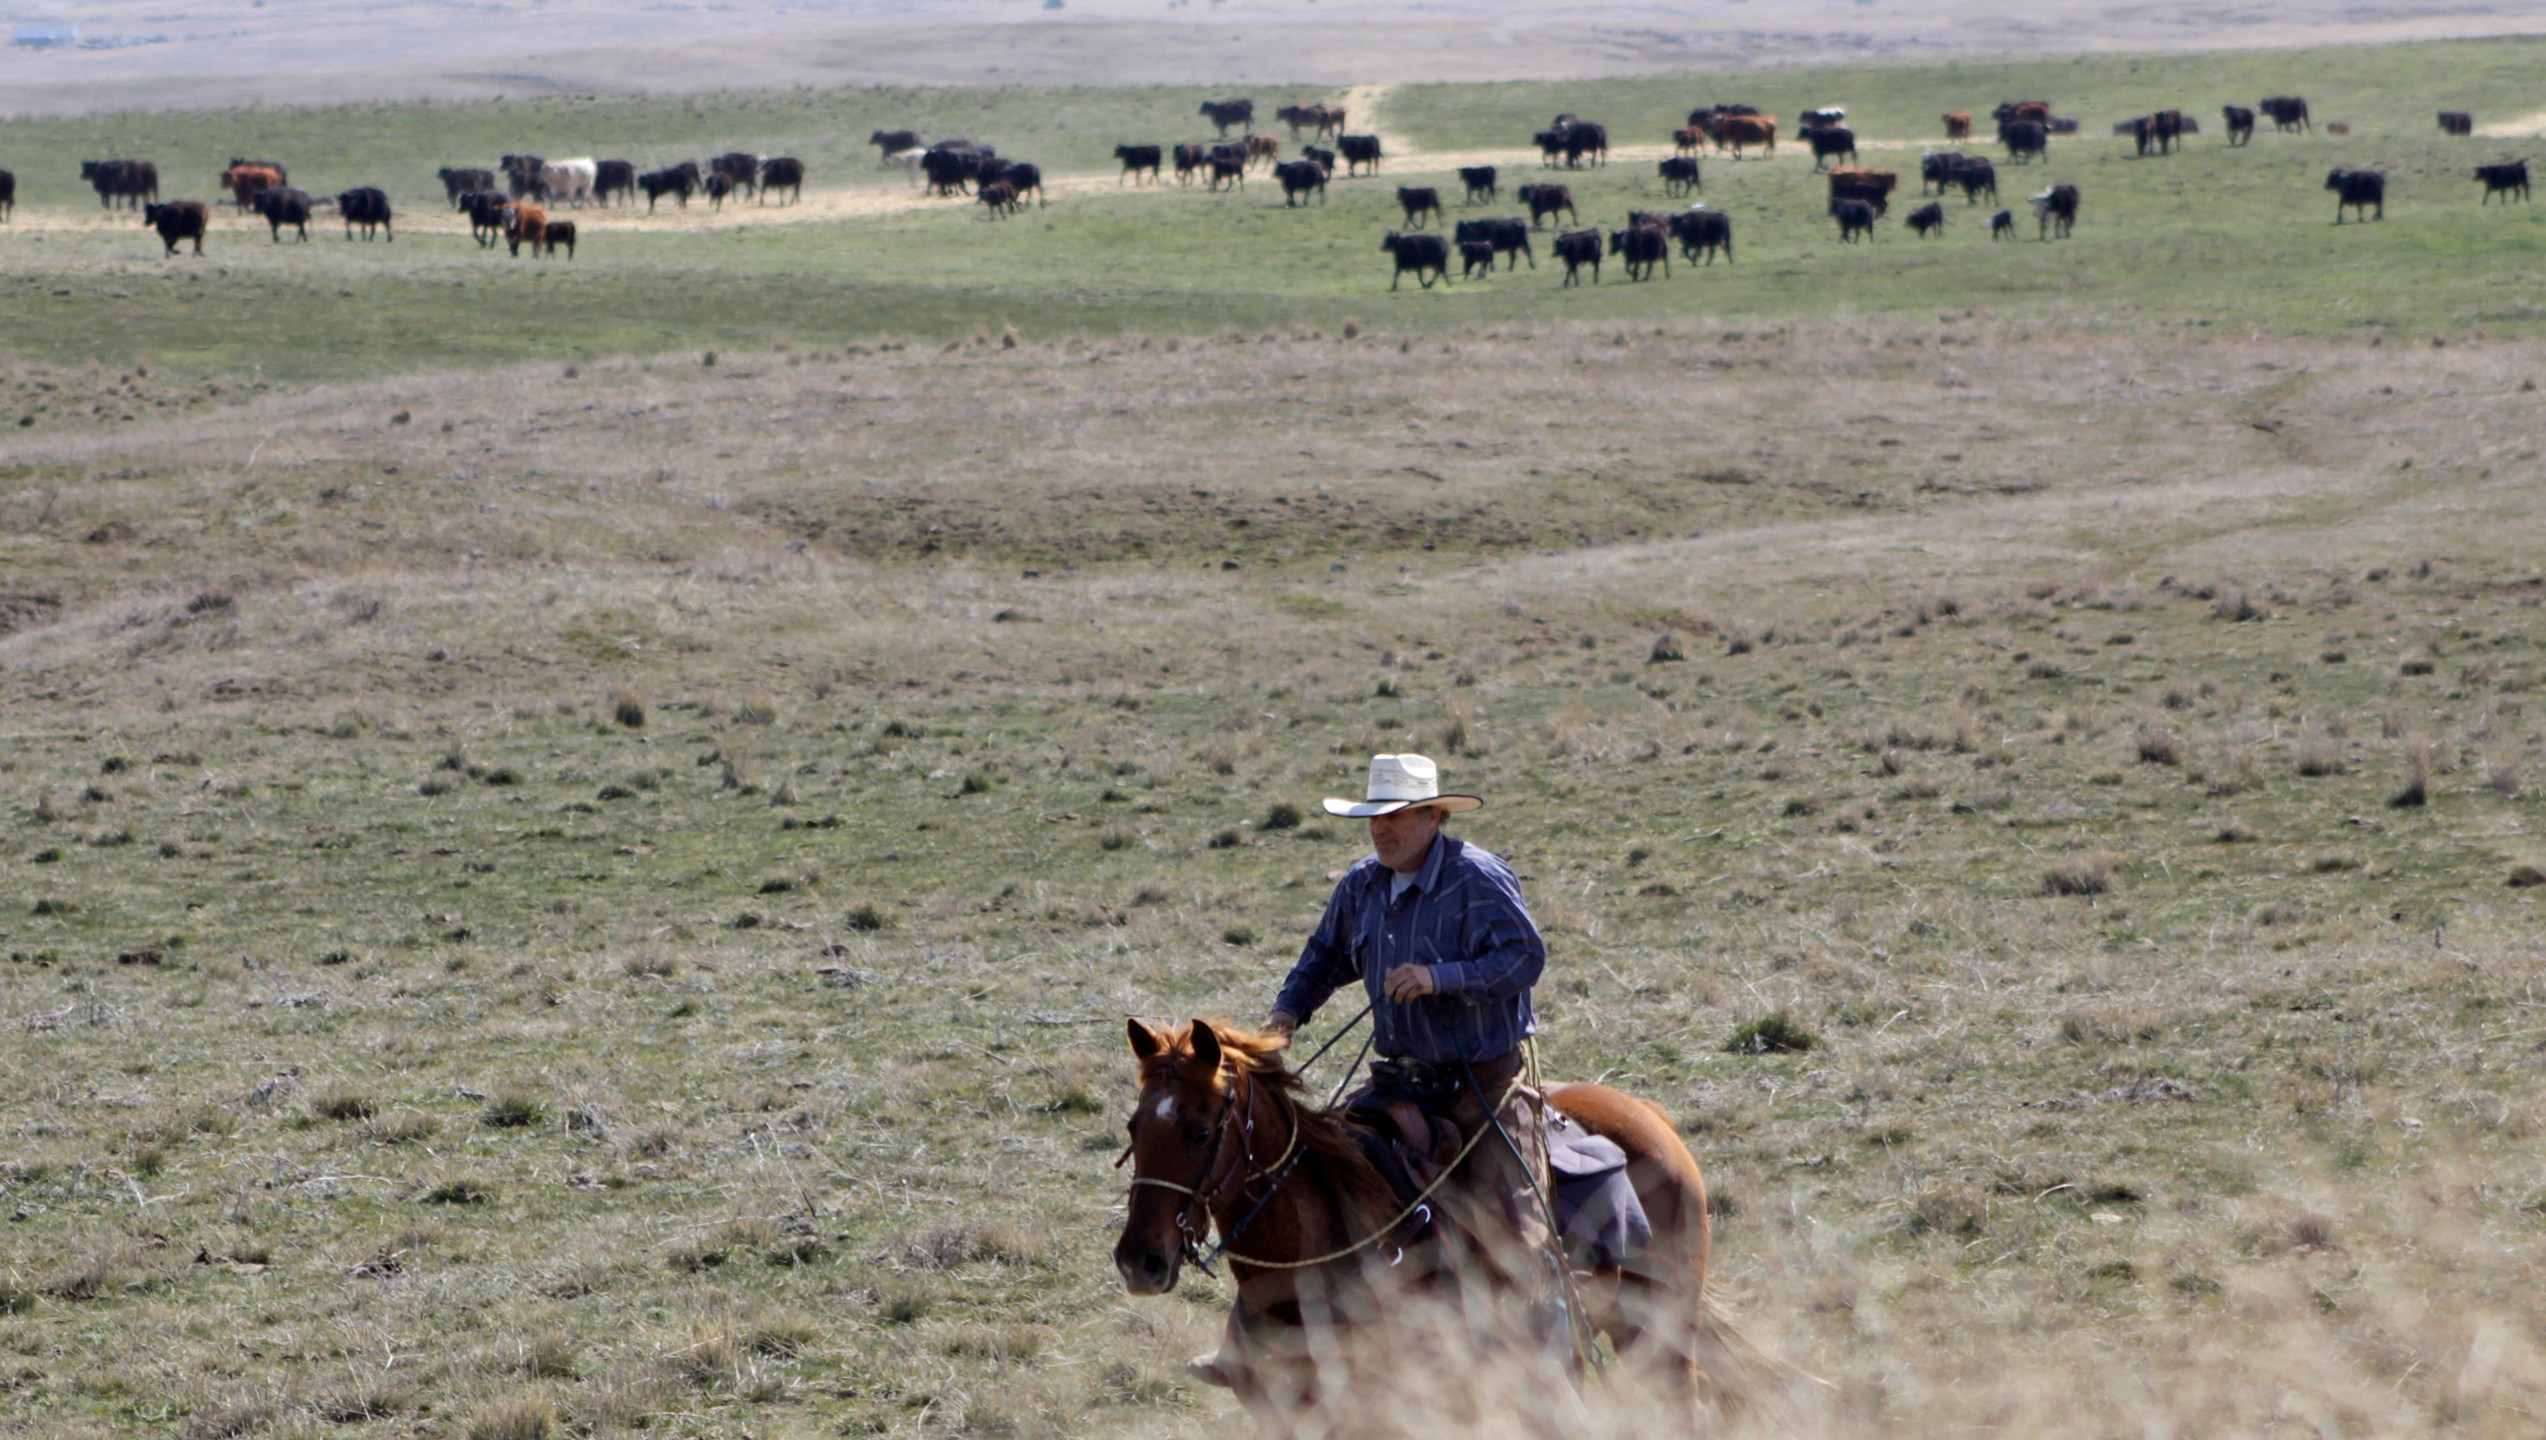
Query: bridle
(1193, 1218)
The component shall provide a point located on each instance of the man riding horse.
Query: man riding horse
(1435, 931)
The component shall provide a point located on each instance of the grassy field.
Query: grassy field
(579, 836)
(2233, 238)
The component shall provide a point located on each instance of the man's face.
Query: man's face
(1403, 838)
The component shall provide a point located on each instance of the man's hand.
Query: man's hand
(1280, 1024)
(1407, 982)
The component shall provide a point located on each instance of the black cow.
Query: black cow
(1829, 141)
(1227, 172)
(1137, 158)
(1190, 158)
(677, 182)
(2240, 124)
(2456, 122)
(2358, 191)
(1509, 236)
(458, 182)
(1937, 169)
(1703, 232)
(367, 206)
(1418, 201)
(1422, 254)
(1835, 115)
(1322, 156)
(2026, 140)
(2504, 180)
(2002, 226)
(949, 172)
(1359, 150)
(611, 177)
(718, 187)
(782, 172)
(1578, 248)
(1680, 175)
(135, 182)
(1855, 217)
(1584, 137)
(1975, 175)
(1928, 220)
(8, 193)
(486, 209)
(2288, 112)
(741, 168)
(891, 142)
(282, 205)
(1025, 175)
(521, 175)
(178, 220)
(2056, 208)
(1475, 255)
(1298, 178)
(556, 233)
(1479, 180)
(1546, 200)
(1643, 247)
(1225, 113)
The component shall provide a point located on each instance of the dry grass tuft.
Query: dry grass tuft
(515, 1417)
(2415, 788)
(2089, 872)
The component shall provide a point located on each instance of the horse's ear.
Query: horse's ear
(1146, 1043)
(1206, 1048)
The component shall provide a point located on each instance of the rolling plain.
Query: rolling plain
(580, 834)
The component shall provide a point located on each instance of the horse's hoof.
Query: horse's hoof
(1206, 1368)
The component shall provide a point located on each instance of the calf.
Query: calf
(1137, 158)
(2456, 122)
(1299, 177)
(1957, 124)
(1855, 217)
(2357, 191)
(1703, 232)
(2504, 180)
(8, 193)
(282, 205)
(1829, 142)
(1190, 158)
(1475, 255)
(1267, 148)
(1688, 141)
(1643, 247)
(2002, 226)
(457, 182)
(1928, 220)
(1479, 180)
(782, 172)
(1509, 237)
(367, 206)
(999, 197)
(1418, 201)
(559, 232)
(1680, 175)
(1546, 200)
(1227, 172)
(719, 186)
(1425, 255)
(2056, 208)
(178, 220)
(1359, 150)
(2240, 124)
(1578, 248)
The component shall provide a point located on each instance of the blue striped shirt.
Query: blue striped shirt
(1464, 918)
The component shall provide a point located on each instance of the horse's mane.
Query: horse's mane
(1332, 1143)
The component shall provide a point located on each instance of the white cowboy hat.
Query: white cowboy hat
(1401, 782)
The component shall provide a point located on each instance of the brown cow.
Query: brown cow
(1957, 124)
(1734, 132)
(1267, 148)
(178, 220)
(1871, 186)
(245, 182)
(525, 224)
(1688, 141)
(2037, 111)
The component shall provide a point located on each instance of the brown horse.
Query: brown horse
(1224, 1135)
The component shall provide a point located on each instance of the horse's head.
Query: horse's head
(1178, 1152)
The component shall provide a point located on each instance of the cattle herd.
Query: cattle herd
(520, 200)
